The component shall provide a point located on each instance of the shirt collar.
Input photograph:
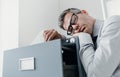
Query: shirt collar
(98, 24)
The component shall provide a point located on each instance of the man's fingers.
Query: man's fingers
(83, 28)
(52, 35)
(45, 34)
(48, 35)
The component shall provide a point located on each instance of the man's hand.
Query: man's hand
(51, 34)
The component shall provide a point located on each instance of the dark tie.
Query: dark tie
(94, 41)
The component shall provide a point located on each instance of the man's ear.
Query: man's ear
(84, 12)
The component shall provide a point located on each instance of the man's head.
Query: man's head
(74, 20)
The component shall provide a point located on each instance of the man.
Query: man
(104, 61)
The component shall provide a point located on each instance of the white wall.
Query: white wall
(1, 57)
(0, 24)
(8, 27)
(34, 16)
(9, 23)
(112, 7)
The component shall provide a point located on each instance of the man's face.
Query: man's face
(80, 23)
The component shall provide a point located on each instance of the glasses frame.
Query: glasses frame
(70, 28)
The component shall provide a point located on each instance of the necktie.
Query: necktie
(94, 41)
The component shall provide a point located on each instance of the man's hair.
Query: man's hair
(62, 15)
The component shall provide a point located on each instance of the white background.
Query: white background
(112, 7)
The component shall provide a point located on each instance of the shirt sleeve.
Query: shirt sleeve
(103, 61)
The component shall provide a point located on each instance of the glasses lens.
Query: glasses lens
(70, 29)
(74, 19)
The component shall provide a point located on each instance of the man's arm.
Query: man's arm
(103, 61)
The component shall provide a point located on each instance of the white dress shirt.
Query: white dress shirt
(105, 60)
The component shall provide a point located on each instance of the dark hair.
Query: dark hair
(62, 15)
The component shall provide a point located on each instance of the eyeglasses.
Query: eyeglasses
(73, 21)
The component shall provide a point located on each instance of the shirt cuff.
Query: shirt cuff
(84, 38)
